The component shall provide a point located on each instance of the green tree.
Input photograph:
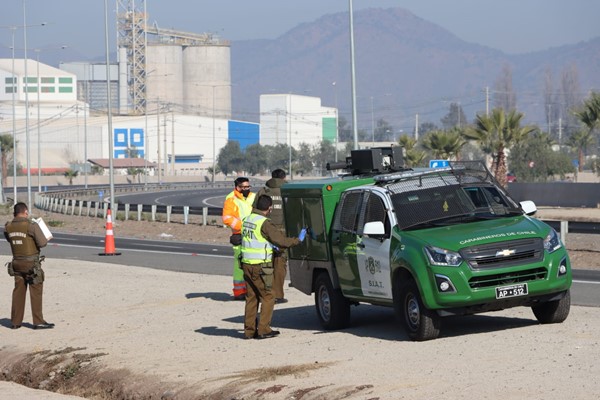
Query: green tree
(304, 159)
(444, 144)
(322, 153)
(455, 118)
(231, 158)
(279, 156)
(427, 127)
(6, 141)
(71, 174)
(534, 160)
(256, 159)
(589, 115)
(415, 158)
(132, 152)
(383, 131)
(495, 134)
(407, 142)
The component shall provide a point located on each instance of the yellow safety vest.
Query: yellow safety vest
(255, 248)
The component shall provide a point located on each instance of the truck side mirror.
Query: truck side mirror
(374, 228)
(528, 207)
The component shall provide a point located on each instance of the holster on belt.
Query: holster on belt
(267, 275)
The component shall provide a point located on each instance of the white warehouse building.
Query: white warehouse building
(293, 119)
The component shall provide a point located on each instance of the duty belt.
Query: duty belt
(27, 258)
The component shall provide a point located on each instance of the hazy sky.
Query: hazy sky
(513, 26)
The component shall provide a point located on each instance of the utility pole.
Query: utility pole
(158, 139)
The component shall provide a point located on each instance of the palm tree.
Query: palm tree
(444, 144)
(580, 141)
(70, 174)
(6, 141)
(589, 115)
(495, 134)
(407, 142)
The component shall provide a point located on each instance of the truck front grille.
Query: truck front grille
(504, 254)
(529, 275)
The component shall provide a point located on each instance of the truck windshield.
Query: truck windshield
(445, 203)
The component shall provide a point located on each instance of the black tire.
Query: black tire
(333, 309)
(553, 312)
(420, 323)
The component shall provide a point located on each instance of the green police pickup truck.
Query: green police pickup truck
(429, 242)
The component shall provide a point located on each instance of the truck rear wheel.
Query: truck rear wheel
(333, 309)
(421, 323)
(553, 312)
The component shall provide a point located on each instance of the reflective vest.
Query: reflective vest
(235, 209)
(255, 248)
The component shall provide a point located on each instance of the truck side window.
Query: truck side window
(374, 210)
(348, 211)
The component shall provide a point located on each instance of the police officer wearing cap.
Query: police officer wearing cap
(26, 239)
(259, 236)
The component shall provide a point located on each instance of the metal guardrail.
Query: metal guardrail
(79, 202)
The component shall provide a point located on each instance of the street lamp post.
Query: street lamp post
(39, 89)
(336, 121)
(27, 142)
(14, 91)
(214, 137)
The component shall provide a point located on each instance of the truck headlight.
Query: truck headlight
(438, 256)
(552, 242)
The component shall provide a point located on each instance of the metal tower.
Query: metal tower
(131, 36)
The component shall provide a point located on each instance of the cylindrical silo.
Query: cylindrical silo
(207, 76)
(164, 76)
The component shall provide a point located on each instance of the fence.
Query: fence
(79, 202)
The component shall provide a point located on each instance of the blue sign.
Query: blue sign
(126, 139)
(438, 163)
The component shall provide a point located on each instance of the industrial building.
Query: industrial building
(293, 119)
(170, 100)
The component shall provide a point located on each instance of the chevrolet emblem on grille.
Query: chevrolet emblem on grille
(505, 253)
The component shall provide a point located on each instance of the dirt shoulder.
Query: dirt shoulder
(145, 333)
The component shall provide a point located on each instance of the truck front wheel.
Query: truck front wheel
(553, 312)
(333, 309)
(420, 322)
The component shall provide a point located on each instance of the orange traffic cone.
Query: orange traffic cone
(109, 240)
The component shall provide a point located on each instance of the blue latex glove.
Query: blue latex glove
(302, 234)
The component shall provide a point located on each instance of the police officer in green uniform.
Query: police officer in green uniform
(26, 239)
(259, 236)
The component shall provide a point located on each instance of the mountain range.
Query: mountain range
(404, 66)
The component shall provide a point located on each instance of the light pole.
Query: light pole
(336, 121)
(353, 79)
(372, 125)
(109, 109)
(15, 90)
(214, 137)
(39, 89)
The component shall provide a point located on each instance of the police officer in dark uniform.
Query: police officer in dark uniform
(26, 239)
(273, 189)
(259, 236)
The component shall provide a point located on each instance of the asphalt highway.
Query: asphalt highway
(216, 259)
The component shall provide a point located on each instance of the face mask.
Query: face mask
(245, 192)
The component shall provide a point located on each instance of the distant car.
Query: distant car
(510, 177)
